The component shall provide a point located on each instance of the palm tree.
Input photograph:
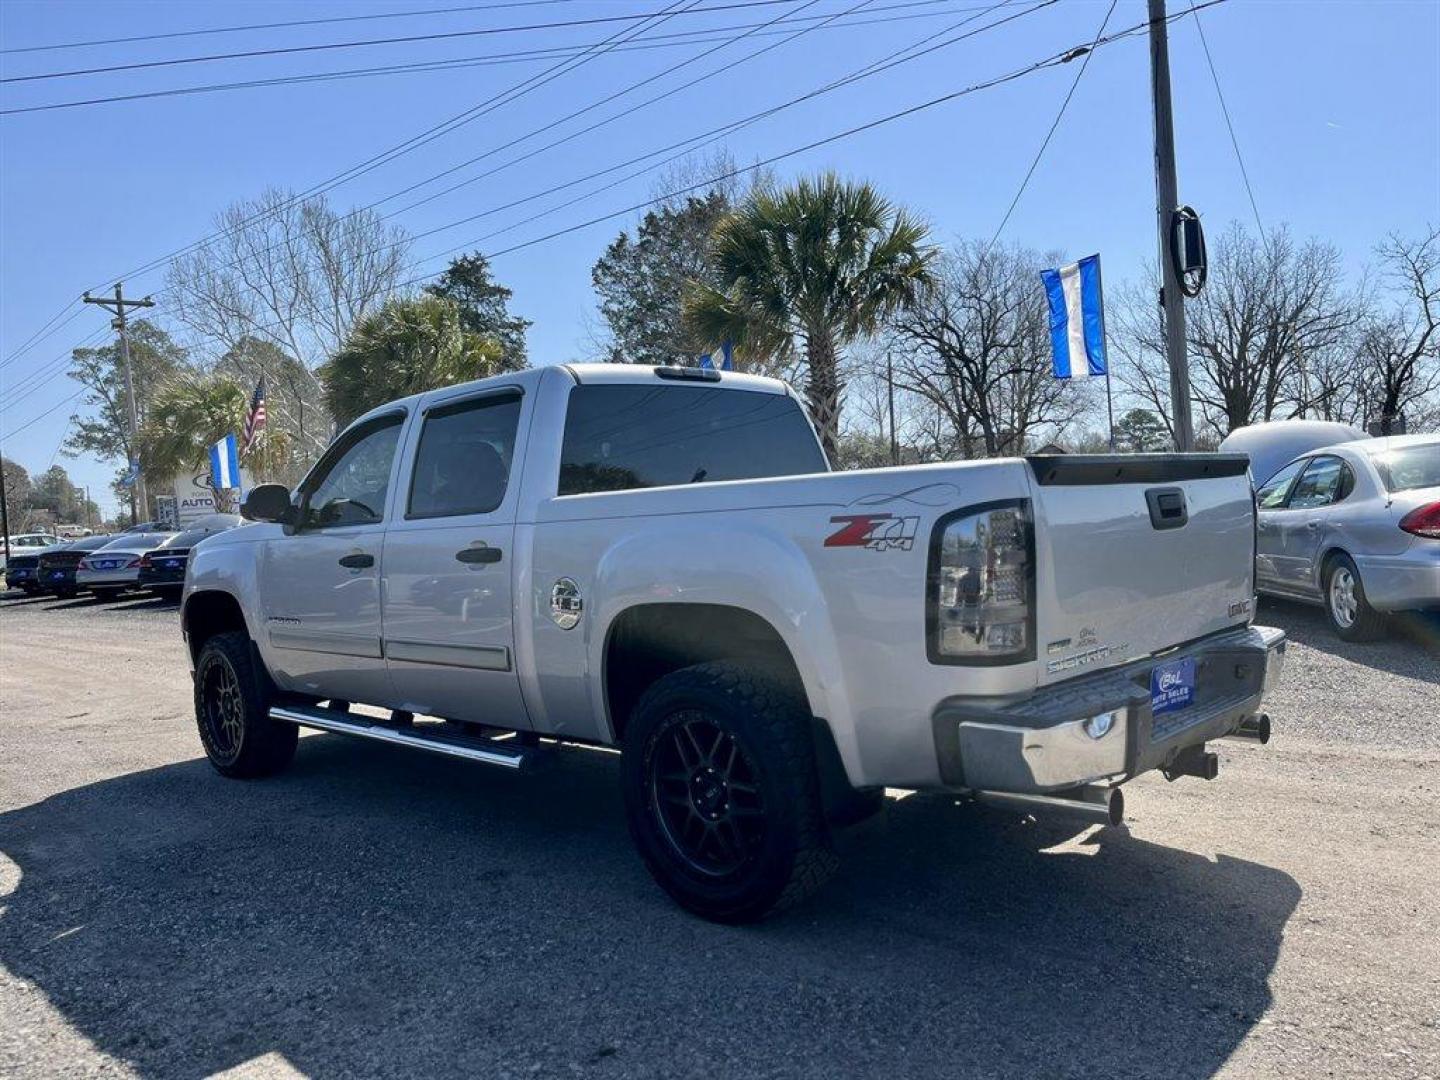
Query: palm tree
(409, 345)
(189, 414)
(803, 272)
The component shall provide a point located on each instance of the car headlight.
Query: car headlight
(981, 586)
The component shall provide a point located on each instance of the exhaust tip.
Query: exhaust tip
(1116, 806)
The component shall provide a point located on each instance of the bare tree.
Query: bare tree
(1399, 344)
(289, 271)
(1268, 307)
(976, 346)
(278, 291)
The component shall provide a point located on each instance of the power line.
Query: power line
(36, 419)
(1225, 110)
(875, 67)
(690, 84)
(414, 142)
(1011, 76)
(903, 55)
(1052, 61)
(281, 25)
(658, 41)
(1087, 52)
(516, 90)
(44, 332)
(916, 50)
(405, 40)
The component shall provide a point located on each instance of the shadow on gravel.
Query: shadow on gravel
(374, 912)
(1410, 647)
(146, 603)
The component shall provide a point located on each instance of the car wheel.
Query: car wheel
(1350, 613)
(722, 793)
(232, 709)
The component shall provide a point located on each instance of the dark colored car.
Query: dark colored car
(20, 571)
(162, 570)
(55, 572)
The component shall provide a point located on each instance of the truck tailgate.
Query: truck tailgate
(1136, 554)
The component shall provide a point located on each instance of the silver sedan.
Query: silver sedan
(1355, 527)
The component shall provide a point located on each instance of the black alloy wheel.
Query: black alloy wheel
(722, 792)
(232, 710)
(705, 793)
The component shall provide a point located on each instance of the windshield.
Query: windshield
(1410, 467)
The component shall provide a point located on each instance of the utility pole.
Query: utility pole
(1167, 201)
(118, 307)
(4, 513)
(89, 524)
(890, 385)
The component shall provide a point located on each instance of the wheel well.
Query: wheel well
(207, 614)
(1323, 566)
(648, 642)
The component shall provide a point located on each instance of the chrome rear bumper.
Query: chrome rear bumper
(1047, 742)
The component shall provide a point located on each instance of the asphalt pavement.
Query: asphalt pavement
(381, 912)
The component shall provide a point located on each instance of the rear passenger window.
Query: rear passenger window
(641, 435)
(463, 463)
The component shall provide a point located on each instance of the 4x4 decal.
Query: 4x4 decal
(877, 532)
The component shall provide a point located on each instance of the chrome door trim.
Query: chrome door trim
(327, 642)
(479, 657)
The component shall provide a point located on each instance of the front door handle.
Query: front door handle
(478, 555)
(359, 561)
(1312, 524)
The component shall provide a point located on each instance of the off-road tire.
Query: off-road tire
(1366, 624)
(792, 855)
(252, 744)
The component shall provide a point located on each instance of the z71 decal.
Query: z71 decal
(878, 532)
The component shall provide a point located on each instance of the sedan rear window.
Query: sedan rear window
(1410, 467)
(639, 435)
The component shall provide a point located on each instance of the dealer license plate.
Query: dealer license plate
(57, 575)
(1172, 686)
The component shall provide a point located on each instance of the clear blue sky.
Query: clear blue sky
(1336, 106)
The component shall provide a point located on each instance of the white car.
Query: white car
(659, 560)
(25, 544)
(112, 569)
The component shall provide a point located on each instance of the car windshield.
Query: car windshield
(1410, 467)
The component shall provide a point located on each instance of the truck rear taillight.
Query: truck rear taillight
(1423, 521)
(980, 607)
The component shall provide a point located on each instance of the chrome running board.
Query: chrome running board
(467, 747)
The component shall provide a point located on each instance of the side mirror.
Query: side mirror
(268, 502)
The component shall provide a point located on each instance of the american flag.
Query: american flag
(255, 422)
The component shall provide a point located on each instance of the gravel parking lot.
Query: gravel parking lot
(383, 912)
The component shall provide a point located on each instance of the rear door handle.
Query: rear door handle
(359, 561)
(1312, 524)
(478, 555)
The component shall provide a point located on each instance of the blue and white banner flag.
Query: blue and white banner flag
(1077, 319)
(225, 464)
(727, 358)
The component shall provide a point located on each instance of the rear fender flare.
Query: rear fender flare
(752, 568)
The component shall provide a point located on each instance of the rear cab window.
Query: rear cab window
(619, 437)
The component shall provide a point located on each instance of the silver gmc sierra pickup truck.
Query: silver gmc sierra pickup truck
(660, 560)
